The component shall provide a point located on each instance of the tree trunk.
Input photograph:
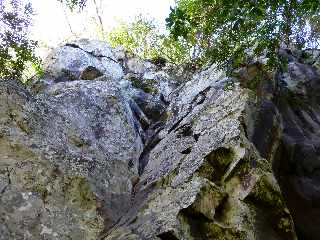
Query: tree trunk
(288, 15)
(67, 19)
(99, 19)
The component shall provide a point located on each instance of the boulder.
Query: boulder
(68, 159)
(82, 59)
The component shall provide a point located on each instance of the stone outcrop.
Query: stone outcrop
(201, 177)
(109, 146)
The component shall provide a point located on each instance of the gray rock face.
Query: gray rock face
(66, 153)
(112, 147)
(201, 178)
(89, 60)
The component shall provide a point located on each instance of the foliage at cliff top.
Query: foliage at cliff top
(16, 49)
(74, 4)
(227, 31)
(143, 38)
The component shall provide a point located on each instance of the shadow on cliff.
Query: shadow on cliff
(284, 124)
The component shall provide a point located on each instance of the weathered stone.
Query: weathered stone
(199, 175)
(65, 154)
(149, 156)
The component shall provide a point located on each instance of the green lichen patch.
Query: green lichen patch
(266, 199)
(20, 120)
(198, 221)
(141, 84)
(250, 164)
(42, 191)
(90, 73)
(265, 193)
(78, 192)
(48, 183)
(196, 226)
(207, 200)
(216, 164)
(167, 180)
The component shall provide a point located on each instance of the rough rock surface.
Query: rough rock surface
(72, 149)
(201, 178)
(286, 130)
(82, 59)
(108, 146)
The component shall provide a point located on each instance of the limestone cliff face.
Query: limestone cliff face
(107, 146)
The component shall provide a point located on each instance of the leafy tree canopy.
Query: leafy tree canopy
(74, 4)
(143, 38)
(227, 31)
(17, 57)
(16, 49)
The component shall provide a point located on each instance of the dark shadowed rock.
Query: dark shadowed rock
(286, 130)
(90, 73)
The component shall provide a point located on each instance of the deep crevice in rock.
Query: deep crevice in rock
(198, 224)
(196, 136)
(167, 236)
(139, 115)
(201, 96)
(151, 143)
(186, 151)
(221, 208)
(184, 131)
(73, 45)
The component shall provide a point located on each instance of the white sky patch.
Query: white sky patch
(51, 21)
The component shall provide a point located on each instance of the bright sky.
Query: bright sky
(51, 25)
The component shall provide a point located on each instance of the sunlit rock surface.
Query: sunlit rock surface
(109, 146)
